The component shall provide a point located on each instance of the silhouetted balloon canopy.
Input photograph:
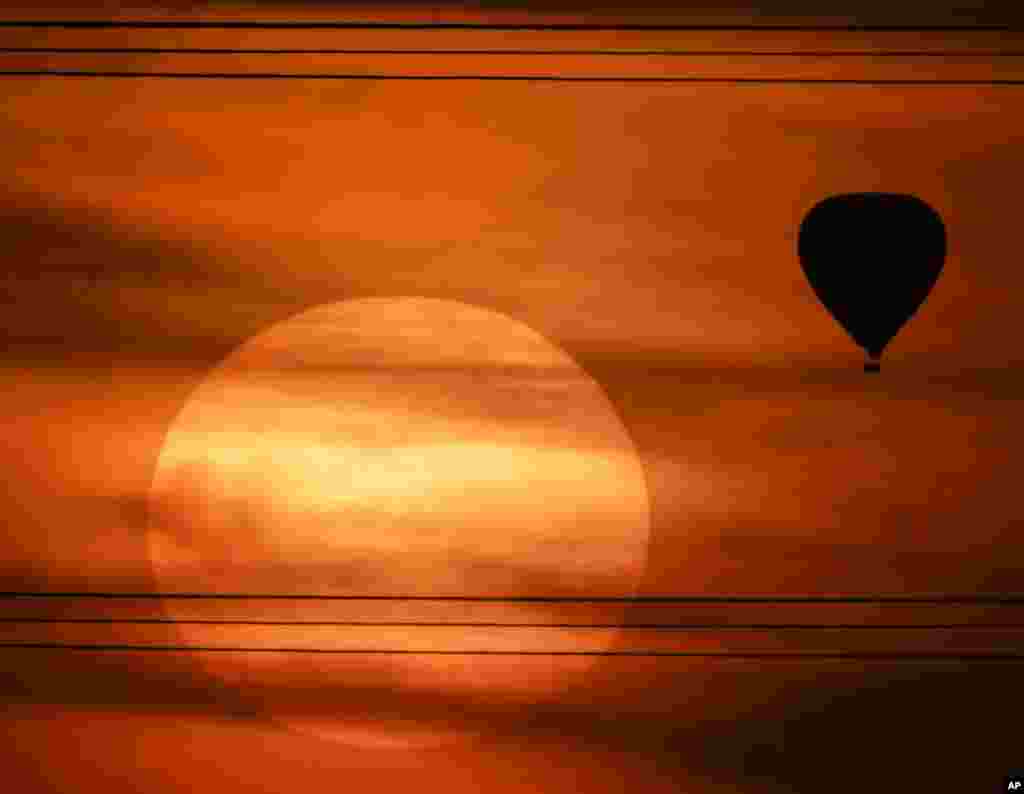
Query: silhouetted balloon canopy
(872, 259)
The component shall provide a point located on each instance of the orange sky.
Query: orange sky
(649, 232)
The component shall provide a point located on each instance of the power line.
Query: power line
(860, 655)
(340, 25)
(511, 625)
(587, 52)
(547, 78)
(952, 598)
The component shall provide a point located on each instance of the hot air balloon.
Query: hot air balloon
(872, 259)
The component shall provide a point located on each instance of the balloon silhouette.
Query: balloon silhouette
(872, 259)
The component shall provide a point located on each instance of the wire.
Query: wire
(483, 652)
(508, 78)
(325, 25)
(977, 599)
(611, 52)
(432, 624)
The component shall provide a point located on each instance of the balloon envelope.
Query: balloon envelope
(872, 259)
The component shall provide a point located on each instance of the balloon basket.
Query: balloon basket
(872, 366)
